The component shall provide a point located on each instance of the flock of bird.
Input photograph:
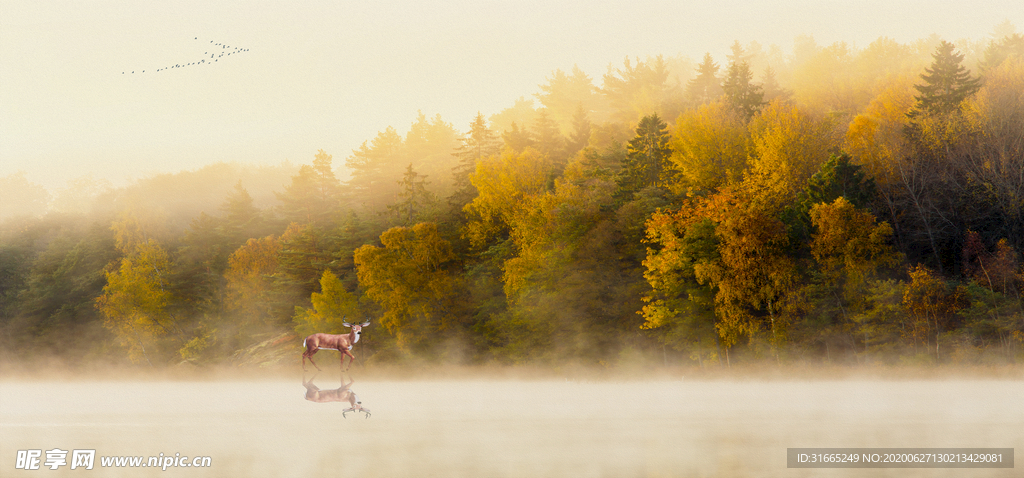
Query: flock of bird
(216, 51)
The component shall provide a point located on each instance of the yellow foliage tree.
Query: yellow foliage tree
(546, 227)
(135, 299)
(849, 245)
(876, 137)
(249, 283)
(503, 182)
(709, 147)
(331, 306)
(407, 278)
(932, 303)
(789, 146)
(745, 264)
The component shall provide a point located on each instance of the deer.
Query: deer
(341, 394)
(341, 343)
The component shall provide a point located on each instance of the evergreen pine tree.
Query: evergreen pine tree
(746, 97)
(413, 200)
(1011, 46)
(947, 83)
(771, 87)
(516, 138)
(647, 154)
(706, 86)
(580, 136)
(549, 140)
(480, 142)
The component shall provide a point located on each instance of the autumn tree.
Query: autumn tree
(849, 245)
(754, 277)
(993, 155)
(678, 305)
(788, 145)
(503, 183)
(331, 307)
(995, 270)
(407, 276)
(932, 302)
(709, 147)
(250, 290)
(135, 300)
(738, 249)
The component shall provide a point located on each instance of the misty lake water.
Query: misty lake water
(504, 428)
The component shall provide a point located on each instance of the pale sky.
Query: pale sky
(331, 74)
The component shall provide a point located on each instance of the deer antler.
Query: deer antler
(354, 409)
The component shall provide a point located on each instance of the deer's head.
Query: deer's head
(357, 329)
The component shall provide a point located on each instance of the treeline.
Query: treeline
(851, 206)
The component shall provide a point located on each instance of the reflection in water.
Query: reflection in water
(340, 394)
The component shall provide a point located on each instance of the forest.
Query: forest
(833, 205)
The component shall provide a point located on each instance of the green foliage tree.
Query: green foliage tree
(1010, 46)
(517, 139)
(636, 90)
(373, 169)
(314, 195)
(479, 143)
(946, 83)
(414, 203)
(706, 86)
(564, 93)
(20, 197)
(579, 138)
(743, 95)
(548, 140)
(647, 155)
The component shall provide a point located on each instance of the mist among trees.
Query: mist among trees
(836, 205)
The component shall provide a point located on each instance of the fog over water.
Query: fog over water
(506, 427)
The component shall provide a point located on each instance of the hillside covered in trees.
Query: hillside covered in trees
(835, 205)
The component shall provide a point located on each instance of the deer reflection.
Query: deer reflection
(340, 394)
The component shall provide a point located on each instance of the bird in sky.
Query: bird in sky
(213, 56)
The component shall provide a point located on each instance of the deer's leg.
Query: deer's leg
(351, 357)
(309, 354)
